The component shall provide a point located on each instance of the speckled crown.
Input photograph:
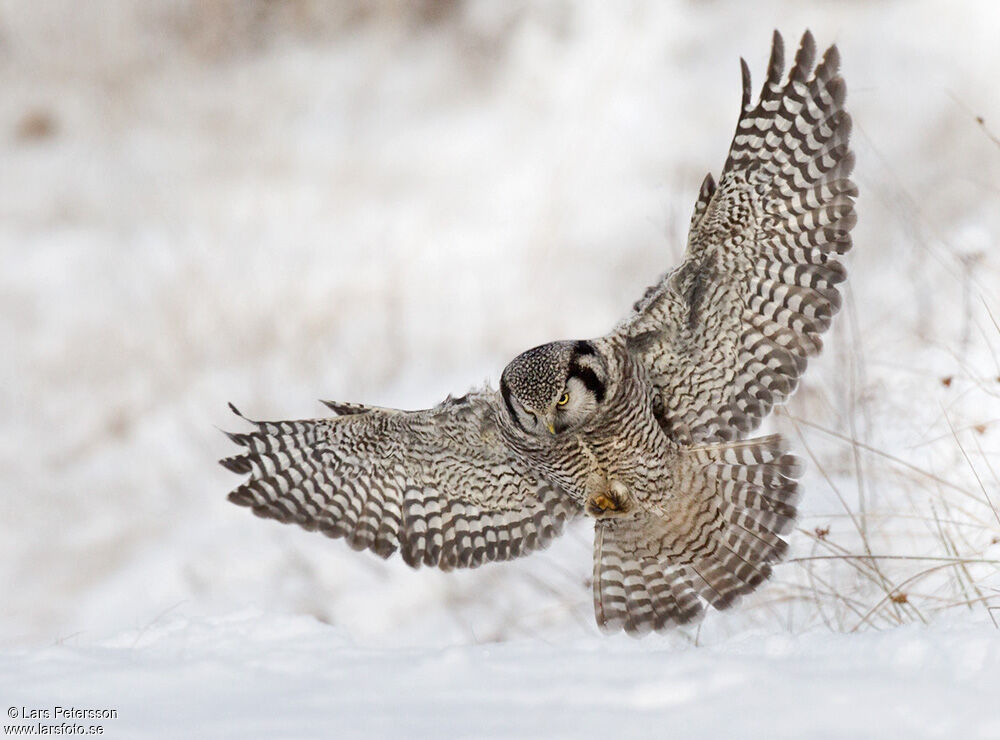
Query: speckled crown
(537, 376)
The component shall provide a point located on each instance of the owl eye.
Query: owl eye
(564, 400)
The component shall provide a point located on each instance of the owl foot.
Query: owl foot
(609, 502)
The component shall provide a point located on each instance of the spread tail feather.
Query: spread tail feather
(713, 541)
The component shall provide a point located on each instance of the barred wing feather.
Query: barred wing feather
(726, 335)
(438, 485)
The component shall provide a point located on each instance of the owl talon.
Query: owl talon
(614, 500)
(603, 503)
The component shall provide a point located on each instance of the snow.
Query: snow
(257, 675)
(274, 203)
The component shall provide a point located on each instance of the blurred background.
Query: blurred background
(274, 202)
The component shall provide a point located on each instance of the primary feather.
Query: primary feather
(726, 336)
(438, 485)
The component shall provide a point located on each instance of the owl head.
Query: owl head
(554, 387)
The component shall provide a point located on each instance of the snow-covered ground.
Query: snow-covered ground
(252, 675)
(271, 203)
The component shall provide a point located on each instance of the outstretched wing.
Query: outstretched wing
(727, 334)
(438, 485)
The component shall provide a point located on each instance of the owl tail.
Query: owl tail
(712, 540)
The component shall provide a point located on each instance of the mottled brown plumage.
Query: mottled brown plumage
(644, 429)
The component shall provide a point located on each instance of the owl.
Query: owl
(646, 430)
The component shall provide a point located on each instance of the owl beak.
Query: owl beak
(551, 426)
